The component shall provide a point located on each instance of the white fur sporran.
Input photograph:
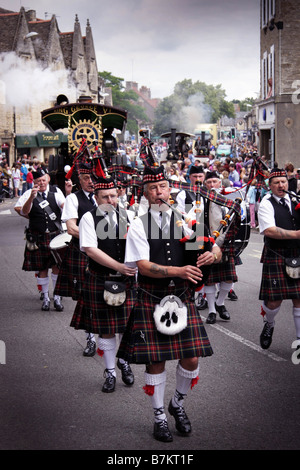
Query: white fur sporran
(170, 315)
(114, 293)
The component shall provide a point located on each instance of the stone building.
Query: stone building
(42, 62)
(279, 104)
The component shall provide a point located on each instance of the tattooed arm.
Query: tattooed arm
(282, 234)
(150, 269)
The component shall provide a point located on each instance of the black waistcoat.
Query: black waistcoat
(286, 220)
(84, 204)
(39, 219)
(165, 252)
(113, 247)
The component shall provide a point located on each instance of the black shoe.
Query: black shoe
(161, 431)
(221, 309)
(127, 375)
(232, 295)
(201, 302)
(58, 305)
(90, 349)
(46, 305)
(211, 319)
(266, 335)
(110, 382)
(183, 424)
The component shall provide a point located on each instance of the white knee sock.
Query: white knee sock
(108, 346)
(158, 382)
(225, 287)
(183, 382)
(54, 279)
(44, 283)
(210, 292)
(270, 314)
(296, 313)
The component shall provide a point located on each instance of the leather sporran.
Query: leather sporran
(114, 293)
(170, 315)
(31, 240)
(292, 267)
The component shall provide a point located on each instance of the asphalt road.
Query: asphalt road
(50, 395)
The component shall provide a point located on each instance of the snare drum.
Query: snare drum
(243, 235)
(58, 246)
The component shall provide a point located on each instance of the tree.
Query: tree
(191, 104)
(126, 100)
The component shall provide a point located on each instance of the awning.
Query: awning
(41, 140)
(26, 141)
(47, 139)
(60, 117)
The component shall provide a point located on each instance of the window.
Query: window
(271, 9)
(268, 74)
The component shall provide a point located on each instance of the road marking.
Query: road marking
(247, 342)
(5, 212)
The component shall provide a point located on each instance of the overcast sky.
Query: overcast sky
(158, 43)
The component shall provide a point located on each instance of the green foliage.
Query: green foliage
(191, 104)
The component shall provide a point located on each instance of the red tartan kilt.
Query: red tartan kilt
(40, 259)
(71, 272)
(275, 283)
(223, 272)
(94, 315)
(143, 344)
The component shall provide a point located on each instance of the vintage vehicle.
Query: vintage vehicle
(178, 145)
(86, 120)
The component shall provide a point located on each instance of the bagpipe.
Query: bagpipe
(199, 240)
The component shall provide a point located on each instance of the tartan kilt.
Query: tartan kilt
(143, 344)
(94, 315)
(275, 283)
(71, 272)
(42, 258)
(223, 272)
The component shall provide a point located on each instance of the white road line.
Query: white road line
(5, 212)
(247, 342)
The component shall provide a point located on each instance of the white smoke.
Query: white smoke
(187, 115)
(24, 82)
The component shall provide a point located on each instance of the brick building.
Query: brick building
(279, 104)
(66, 61)
(144, 99)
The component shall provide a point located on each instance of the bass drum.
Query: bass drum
(243, 235)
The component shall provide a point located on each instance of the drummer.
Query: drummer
(223, 273)
(71, 273)
(42, 205)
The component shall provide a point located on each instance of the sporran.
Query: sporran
(114, 293)
(170, 315)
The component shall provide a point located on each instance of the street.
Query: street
(50, 395)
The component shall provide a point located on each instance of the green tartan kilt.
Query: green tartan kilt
(143, 344)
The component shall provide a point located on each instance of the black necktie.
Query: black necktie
(92, 199)
(284, 203)
(164, 222)
(44, 196)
